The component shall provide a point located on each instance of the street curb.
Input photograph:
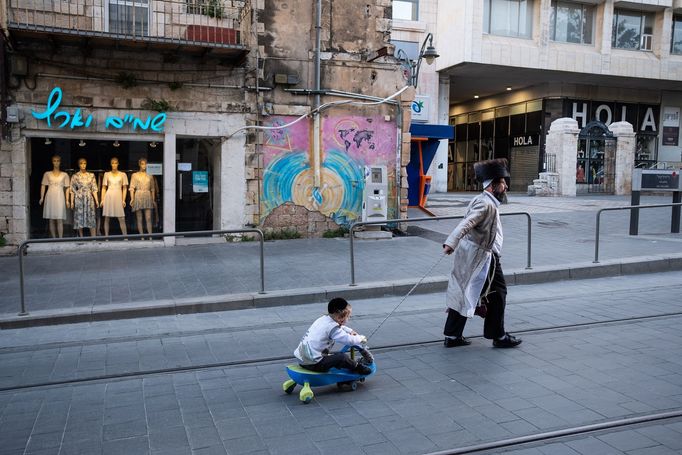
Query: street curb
(536, 275)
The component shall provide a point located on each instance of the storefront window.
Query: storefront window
(572, 22)
(508, 17)
(632, 30)
(77, 209)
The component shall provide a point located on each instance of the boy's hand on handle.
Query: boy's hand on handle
(447, 249)
(363, 339)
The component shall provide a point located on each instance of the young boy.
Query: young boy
(313, 352)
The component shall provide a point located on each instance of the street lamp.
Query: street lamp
(427, 53)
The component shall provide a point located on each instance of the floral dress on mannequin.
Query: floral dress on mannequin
(141, 183)
(83, 185)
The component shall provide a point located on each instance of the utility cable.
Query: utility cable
(318, 109)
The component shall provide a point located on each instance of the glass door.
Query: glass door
(194, 183)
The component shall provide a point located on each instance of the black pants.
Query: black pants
(335, 360)
(493, 327)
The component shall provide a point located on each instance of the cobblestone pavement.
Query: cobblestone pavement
(563, 233)
(594, 351)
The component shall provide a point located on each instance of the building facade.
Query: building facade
(512, 67)
(214, 94)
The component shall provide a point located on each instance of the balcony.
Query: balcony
(215, 27)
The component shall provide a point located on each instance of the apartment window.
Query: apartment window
(210, 8)
(676, 47)
(129, 17)
(632, 30)
(406, 10)
(508, 17)
(572, 22)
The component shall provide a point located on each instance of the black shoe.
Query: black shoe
(508, 341)
(362, 370)
(454, 342)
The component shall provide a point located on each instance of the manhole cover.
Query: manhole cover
(552, 223)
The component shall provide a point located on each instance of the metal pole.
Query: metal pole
(596, 239)
(262, 263)
(529, 241)
(352, 257)
(675, 222)
(634, 213)
(23, 311)
(22, 247)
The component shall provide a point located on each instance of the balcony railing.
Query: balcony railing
(211, 23)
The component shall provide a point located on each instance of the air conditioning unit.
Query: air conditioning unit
(646, 42)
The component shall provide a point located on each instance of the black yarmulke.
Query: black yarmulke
(336, 305)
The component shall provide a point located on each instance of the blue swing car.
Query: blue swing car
(344, 379)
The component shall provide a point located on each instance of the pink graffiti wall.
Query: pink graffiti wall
(348, 144)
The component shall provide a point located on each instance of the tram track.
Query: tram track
(268, 360)
(275, 325)
(556, 435)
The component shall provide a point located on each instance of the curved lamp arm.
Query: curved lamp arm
(429, 53)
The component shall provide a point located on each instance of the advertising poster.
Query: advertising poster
(200, 181)
(671, 126)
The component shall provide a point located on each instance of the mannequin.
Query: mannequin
(114, 189)
(83, 199)
(56, 183)
(142, 196)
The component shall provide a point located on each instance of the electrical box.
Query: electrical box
(12, 115)
(375, 196)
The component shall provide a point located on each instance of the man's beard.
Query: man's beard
(499, 195)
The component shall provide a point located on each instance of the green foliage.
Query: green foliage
(214, 9)
(160, 105)
(331, 233)
(3, 240)
(283, 234)
(126, 80)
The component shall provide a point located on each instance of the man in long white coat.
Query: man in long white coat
(477, 277)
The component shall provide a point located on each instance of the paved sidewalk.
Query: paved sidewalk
(422, 399)
(143, 279)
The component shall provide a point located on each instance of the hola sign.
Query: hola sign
(76, 120)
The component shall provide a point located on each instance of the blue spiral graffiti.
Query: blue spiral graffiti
(281, 173)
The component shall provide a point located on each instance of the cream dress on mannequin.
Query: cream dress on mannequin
(112, 205)
(55, 201)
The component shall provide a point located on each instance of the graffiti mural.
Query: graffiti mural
(348, 144)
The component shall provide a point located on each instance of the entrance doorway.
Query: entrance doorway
(194, 198)
(595, 168)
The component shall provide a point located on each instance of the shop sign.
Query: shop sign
(75, 119)
(420, 109)
(155, 168)
(524, 141)
(642, 117)
(671, 126)
(656, 179)
(200, 181)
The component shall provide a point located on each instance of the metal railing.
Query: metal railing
(22, 247)
(213, 23)
(412, 220)
(629, 207)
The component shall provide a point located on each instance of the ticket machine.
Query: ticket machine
(375, 196)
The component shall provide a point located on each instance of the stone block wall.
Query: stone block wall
(300, 219)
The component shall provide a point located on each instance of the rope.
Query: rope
(408, 294)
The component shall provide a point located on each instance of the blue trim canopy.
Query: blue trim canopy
(430, 131)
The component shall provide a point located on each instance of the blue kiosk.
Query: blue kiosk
(424, 143)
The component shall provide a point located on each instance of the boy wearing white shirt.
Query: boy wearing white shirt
(314, 350)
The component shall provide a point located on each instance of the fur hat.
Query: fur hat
(336, 305)
(492, 170)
